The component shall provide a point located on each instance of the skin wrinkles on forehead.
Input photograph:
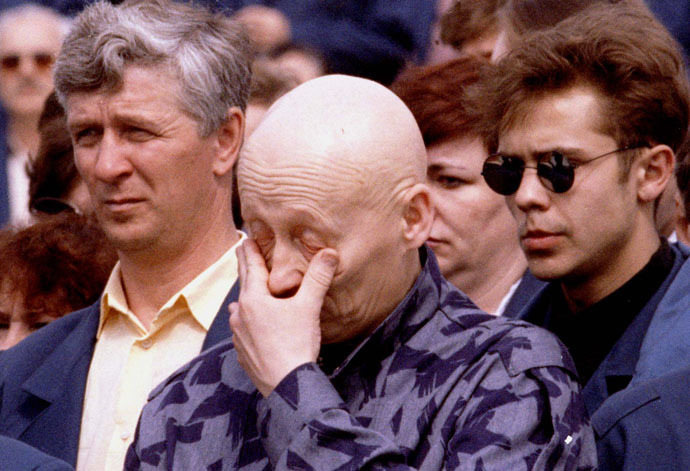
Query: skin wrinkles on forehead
(324, 180)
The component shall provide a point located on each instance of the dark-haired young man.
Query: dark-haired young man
(588, 116)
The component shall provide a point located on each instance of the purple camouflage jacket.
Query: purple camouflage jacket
(438, 386)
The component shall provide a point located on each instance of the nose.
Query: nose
(16, 332)
(285, 276)
(26, 66)
(531, 194)
(112, 163)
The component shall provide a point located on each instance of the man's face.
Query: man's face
(293, 212)
(472, 225)
(27, 51)
(149, 174)
(586, 232)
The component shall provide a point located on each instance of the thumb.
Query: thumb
(319, 274)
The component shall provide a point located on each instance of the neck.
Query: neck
(22, 134)
(611, 271)
(151, 277)
(488, 286)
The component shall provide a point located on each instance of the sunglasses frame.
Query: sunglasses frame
(48, 205)
(41, 60)
(548, 181)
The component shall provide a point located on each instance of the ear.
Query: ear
(653, 171)
(229, 142)
(418, 216)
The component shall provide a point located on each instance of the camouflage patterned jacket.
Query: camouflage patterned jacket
(438, 386)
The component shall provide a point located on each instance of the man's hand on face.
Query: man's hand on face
(272, 335)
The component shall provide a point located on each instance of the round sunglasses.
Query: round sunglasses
(51, 206)
(41, 60)
(556, 172)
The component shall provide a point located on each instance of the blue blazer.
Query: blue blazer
(640, 344)
(43, 378)
(621, 396)
(18, 456)
(646, 427)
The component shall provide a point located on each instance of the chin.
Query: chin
(128, 239)
(548, 270)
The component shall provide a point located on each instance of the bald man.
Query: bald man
(350, 350)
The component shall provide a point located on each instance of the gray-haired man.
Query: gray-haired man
(155, 94)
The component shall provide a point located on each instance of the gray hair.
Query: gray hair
(209, 52)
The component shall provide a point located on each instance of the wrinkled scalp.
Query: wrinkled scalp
(342, 137)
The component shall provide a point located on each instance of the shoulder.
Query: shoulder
(662, 400)
(19, 456)
(43, 342)
(520, 345)
(645, 426)
(205, 368)
(199, 397)
(524, 346)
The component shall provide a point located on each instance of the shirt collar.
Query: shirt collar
(203, 295)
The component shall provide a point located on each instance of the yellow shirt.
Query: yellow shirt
(128, 362)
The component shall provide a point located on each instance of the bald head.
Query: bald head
(339, 163)
(347, 131)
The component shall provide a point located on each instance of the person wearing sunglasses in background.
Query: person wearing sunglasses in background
(30, 37)
(587, 116)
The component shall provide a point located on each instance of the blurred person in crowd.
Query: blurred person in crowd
(65, 7)
(367, 38)
(584, 151)
(350, 350)
(675, 15)
(473, 235)
(154, 94)
(50, 269)
(439, 51)
(472, 26)
(269, 82)
(30, 38)
(519, 18)
(18, 456)
(301, 62)
(54, 182)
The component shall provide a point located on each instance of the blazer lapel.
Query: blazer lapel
(54, 394)
(220, 327)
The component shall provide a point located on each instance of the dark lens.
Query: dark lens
(556, 173)
(43, 60)
(503, 174)
(9, 62)
(51, 206)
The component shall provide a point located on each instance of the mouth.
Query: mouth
(121, 204)
(538, 240)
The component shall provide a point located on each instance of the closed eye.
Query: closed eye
(448, 182)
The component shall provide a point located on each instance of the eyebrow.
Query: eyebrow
(574, 152)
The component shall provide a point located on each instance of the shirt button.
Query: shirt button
(146, 343)
(124, 435)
